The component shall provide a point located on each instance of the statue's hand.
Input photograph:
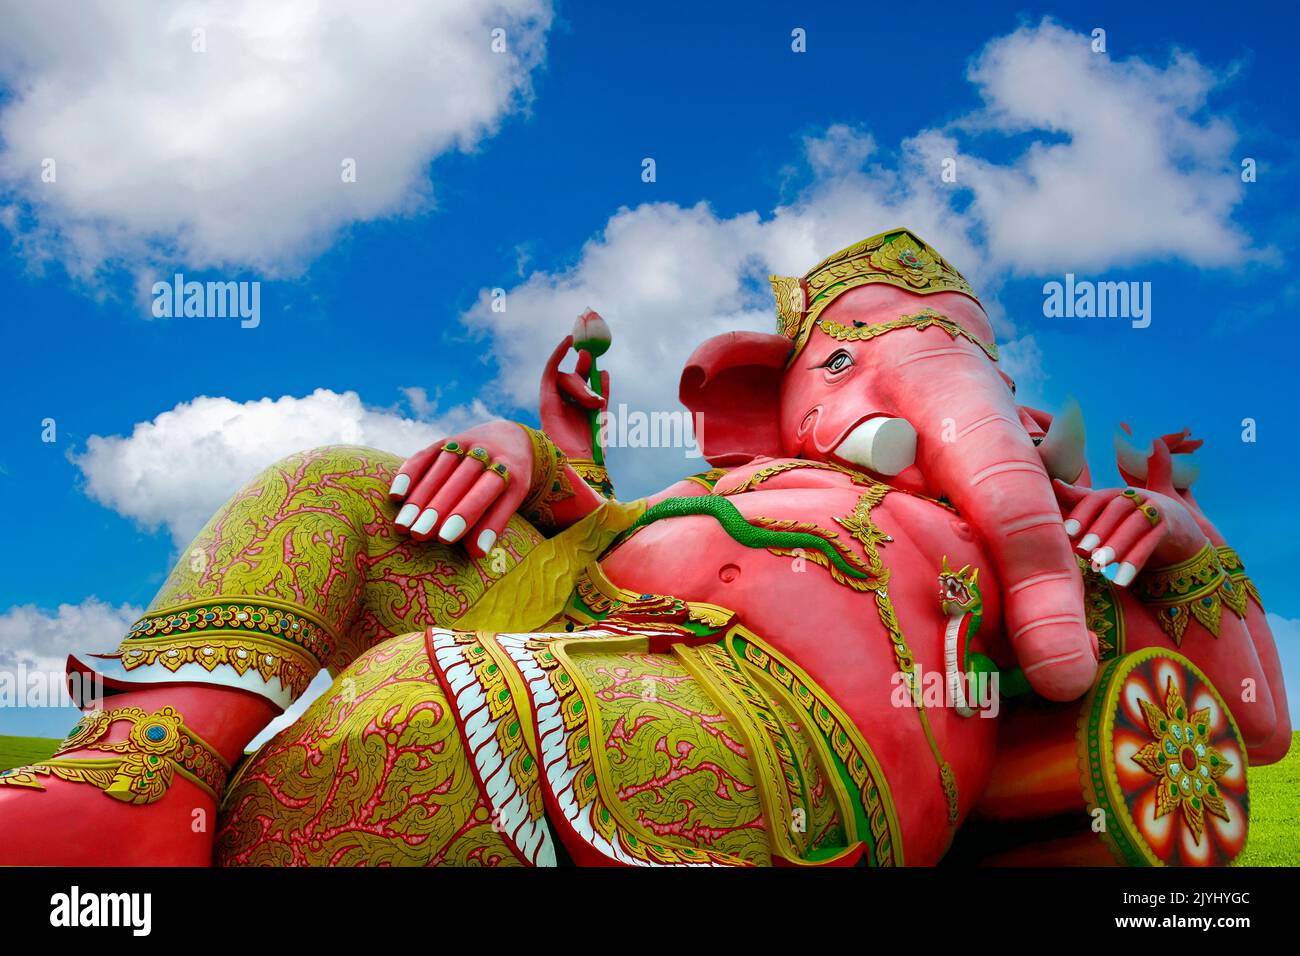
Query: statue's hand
(1133, 527)
(567, 402)
(456, 486)
(1175, 481)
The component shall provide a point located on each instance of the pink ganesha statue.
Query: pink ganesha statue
(882, 614)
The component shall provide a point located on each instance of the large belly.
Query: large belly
(840, 635)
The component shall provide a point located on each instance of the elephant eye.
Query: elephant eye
(838, 362)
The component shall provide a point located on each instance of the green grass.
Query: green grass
(1275, 812)
(19, 751)
(1274, 800)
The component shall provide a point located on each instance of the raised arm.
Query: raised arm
(465, 487)
(1193, 587)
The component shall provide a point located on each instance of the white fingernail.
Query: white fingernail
(407, 515)
(486, 540)
(1089, 542)
(1071, 527)
(452, 528)
(400, 484)
(1125, 575)
(427, 521)
(1103, 556)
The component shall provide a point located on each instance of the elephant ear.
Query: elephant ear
(732, 385)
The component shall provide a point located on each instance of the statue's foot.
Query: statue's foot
(135, 784)
(76, 824)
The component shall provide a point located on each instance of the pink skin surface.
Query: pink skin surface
(835, 633)
(72, 824)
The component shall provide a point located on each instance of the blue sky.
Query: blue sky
(527, 195)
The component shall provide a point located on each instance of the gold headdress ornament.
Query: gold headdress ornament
(897, 257)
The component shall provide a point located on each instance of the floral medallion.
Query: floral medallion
(1162, 759)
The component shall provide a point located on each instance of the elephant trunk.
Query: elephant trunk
(972, 448)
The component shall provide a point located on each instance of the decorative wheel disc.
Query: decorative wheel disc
(1163, 759)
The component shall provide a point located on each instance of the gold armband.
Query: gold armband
(549, 483)
(1199, 587)
(1232, 563)
(158, 747)
(593, 474)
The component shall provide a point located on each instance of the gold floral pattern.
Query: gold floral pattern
(597, 476)
(925, 319)
(286, 624)
(713, 753)
(1199, 588)
(270, 659)
(1103, 611)
(898, 257)
(1183, 759)
(158, 746)
(548, 484)
(303, 568)
(1236, 569)
(1163, 763)
(372, 774)
(707, 479)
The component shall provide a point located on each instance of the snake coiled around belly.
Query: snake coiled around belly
(741, 530)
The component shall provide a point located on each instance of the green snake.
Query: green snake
(962, 605)
(960, 601)
(741, 530)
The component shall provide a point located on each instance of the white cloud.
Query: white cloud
(1122, 167)
(839, 150)
(232, 157)
(40, 640)
(1022, 359)
(176, 470)
(678, 272)
(1125, 165)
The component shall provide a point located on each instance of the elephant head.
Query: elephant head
(902, 382)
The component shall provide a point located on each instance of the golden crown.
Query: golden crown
(897, 257)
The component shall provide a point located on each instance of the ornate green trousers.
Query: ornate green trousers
(302, 569)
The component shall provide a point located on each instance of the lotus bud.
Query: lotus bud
(591, 334)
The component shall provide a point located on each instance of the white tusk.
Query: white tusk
(1130, 459)
(1183, 473)
(884, 445)
(1062, 448)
